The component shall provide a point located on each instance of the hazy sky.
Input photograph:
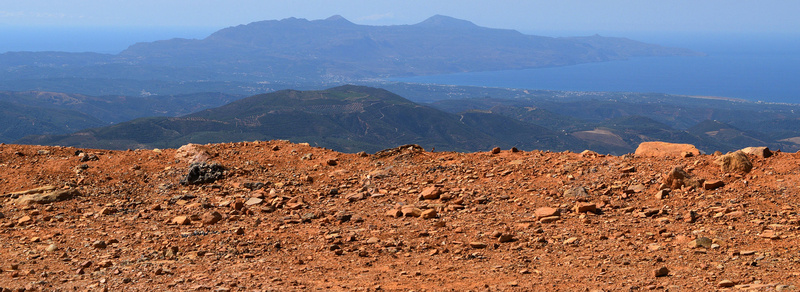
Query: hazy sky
(524, 15)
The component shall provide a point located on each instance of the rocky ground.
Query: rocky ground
(276, 216)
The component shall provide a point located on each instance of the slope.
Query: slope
(17, 121)
(347, 118)
(730, 136)
(118, 108)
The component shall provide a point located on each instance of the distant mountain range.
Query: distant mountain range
(39, 112)
(358, 118)
(330, 50)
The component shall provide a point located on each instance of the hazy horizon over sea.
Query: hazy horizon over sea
(106, 40)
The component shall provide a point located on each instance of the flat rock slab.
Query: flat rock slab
(430, 193)
(253, 201)
(762, 152)
(48, 197)
(547, 212)
(33, 191)
(582, 207)
(664, 149)
(713, 184)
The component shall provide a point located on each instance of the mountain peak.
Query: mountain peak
(446, 21)
(338, 19)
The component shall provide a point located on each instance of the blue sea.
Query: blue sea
(752, 67)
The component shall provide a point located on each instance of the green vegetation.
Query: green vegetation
(40, 113)
(17, 121)
(358, 118)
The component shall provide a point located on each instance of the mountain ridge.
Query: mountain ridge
(330, 50)
(347, 118)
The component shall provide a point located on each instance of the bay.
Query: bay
(755, 69)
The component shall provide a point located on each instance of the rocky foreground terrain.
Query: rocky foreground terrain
(277, 216)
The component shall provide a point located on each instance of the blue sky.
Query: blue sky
(763, 16)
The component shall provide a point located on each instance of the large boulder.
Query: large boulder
(734, 162)
(664, 149)
(762, 152)
(193, 153)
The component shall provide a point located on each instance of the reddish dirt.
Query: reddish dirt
(323, 223)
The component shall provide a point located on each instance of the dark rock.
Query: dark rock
(200, 173)
(90, 157)
(343, 216)
(252, 185)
